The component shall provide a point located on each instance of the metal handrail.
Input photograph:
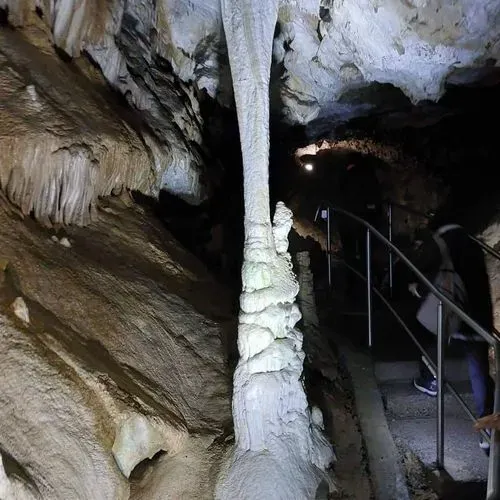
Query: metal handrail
(429, 361)
(493, 488)
(490, 338)
(485, 246)
(429, 215)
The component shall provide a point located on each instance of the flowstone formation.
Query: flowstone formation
(279, 451)
(331, 59)
(112, 353)
(62, 144)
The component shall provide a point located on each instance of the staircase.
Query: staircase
(411, 417)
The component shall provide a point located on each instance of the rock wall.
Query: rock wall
(112, 352)
(62, 143)
(491, 236)
(326, 53)
(403, 179)
(120, 41)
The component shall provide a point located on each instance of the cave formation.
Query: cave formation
(165, 311)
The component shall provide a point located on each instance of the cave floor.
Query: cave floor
(351, 474)
(351, 470)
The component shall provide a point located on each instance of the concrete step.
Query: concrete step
(411, 417)
(402, 400)
(464, 460)
(391, 371)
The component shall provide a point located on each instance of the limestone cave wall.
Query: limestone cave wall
(114, 349)
(331, 61)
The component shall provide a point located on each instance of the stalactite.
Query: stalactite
(61, 144)
(279, 450)
(61, 184)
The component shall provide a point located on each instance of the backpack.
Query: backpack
(450, 284)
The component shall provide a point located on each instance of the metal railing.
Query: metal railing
(428, 215)
(493, 338)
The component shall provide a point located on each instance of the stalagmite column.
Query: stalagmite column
(307, 300)
(280, 453)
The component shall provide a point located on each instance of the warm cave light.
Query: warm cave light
(309, 167)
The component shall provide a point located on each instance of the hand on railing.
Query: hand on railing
(489, 422)
(413, 289)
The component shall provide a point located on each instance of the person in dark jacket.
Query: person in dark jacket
(469, 263)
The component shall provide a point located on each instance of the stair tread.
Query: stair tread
(402, 400)
(464, 460)
(455, 368)
(402, 387)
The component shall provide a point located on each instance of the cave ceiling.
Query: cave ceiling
(332, 61)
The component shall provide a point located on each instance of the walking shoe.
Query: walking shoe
(483, 444)
(426, 385)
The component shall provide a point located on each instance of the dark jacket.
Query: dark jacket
(469, 262)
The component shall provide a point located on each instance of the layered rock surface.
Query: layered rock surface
(326, 53)
(61, 144)
(163, 56)
(122, 357)
(491, 236)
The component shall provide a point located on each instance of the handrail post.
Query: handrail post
(369, 285)
(493, 490)
(391, 269)
(329, 246)
(440, 389)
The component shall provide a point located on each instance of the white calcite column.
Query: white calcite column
(280, 453)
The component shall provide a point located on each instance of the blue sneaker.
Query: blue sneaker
(426, 385)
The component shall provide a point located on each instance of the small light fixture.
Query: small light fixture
(309, 167)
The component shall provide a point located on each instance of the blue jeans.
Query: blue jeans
(483, 387)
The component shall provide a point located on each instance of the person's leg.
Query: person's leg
(426, 382)
(483, 387)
